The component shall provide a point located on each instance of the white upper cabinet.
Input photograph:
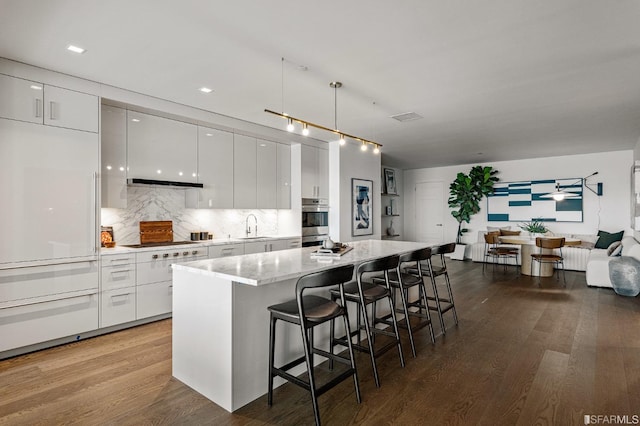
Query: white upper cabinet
(21, 99)
(35, 102)
(161, 149)
(114, 157)
(267, 174)
(70, 109)
(244, 172)
(215, 169)
(315, 172)
(284, 177)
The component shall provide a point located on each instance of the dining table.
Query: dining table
(528, 247)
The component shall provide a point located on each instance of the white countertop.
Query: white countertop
(203, 243)
(264, 268)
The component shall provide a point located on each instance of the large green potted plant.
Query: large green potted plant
(466, 192)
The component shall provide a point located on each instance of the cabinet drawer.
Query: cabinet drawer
(118, 276)
(226, 250)
(39, 322)
(117, 306)
(154, 299)
(41, 281)
(118, 259)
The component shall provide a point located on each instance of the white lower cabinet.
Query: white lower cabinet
(226, 250)
(154, 299)
(117, 306)
(154, 293)
(44, 303)
(271, 245)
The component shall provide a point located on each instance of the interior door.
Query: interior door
(429, 211)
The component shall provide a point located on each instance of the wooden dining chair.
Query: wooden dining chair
(493, 250)
(552, 257)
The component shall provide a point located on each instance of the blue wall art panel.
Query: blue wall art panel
(523, 202)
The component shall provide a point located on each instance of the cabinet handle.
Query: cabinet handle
(165, 255)
(52, 114)
(126, 259)
(176, 254)
(38, 108)
(120, 295)
(121, 271)
(184, 253)
(155, 256)
(194, 252)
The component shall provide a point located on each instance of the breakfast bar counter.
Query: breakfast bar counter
(221, 322)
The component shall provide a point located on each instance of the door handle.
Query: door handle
(438, 224)
(52, 114)
(38, 108)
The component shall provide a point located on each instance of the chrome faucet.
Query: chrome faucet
(247, 228)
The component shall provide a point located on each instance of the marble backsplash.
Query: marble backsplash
(158, 203)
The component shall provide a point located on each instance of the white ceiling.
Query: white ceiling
(494, 79)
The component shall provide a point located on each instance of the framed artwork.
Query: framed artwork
(390, 181)
(361, 207)
(523, 201)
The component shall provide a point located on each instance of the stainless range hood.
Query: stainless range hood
(153, 182)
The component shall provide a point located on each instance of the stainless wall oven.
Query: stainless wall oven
(315, 221)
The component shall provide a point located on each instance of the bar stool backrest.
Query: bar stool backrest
(378, 265)
(330, 277)
(550, 243)
(444, 248)
(416, 255)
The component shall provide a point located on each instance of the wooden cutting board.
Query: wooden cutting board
(156, 231)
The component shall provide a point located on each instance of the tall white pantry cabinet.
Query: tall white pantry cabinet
(49, 149)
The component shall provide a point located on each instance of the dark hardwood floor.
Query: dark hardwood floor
(521, 355)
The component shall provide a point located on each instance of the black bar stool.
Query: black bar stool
(441, 304)
(308, 312)
(367, 293)
(403, 281)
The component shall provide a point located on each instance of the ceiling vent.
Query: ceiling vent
(407, 116)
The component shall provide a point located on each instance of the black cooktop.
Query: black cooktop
(168, 243)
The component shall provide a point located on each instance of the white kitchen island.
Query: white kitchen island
(221, 322)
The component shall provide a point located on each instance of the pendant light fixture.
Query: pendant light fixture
(306, 124)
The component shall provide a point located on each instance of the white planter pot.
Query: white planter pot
(458, 254)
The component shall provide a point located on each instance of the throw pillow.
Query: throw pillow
(507, 232)
(605, 239)
(614, 248)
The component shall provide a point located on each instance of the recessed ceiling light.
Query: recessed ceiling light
(205, 90)
(36, 87)
(75, 49)
(209, 134)
(135, 120)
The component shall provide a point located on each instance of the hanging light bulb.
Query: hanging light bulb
(305, 130)
(342, 140)
(290, 126)
(376, 150)
(363, 147)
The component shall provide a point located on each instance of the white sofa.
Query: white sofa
(598, 263)
(575, 257)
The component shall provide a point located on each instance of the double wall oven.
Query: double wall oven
(315, 221)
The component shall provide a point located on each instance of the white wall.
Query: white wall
(609, 212)
(347, 162)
